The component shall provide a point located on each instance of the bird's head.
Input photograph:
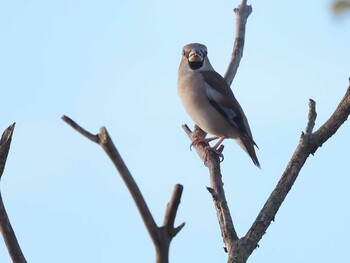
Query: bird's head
(196, 55)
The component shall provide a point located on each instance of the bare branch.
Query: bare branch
(82, 131)
(308, 144)
(228, 232)
(240, 249)
(331, 126)
(107, 144)
(242, 13)
(171, 211)
(161, 236)
(5, 226)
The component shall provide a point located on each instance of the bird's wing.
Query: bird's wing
(222, 99)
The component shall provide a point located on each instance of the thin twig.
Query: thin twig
(82, 131)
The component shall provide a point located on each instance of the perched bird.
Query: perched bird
(209, 101)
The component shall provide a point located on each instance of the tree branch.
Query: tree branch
(228, 232)
(242, 13)
(5, 226)
(216, 190)
(161, 236)
(171, 211)
(308, 144)
(240, 249)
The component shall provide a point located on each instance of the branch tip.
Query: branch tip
(178, 229)
(104, 135)
(242, 13)
(7, 134)
(187, 130)
(79, 129)
(172, 207)
(214, 195)
(311, 117)
(5, 143)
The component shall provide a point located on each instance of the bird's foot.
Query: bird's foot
(199, 139)
(217, 151)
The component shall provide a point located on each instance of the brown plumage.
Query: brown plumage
(209, 100)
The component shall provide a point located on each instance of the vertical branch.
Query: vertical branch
(216, 190)
(5, 226)
(242, 13)
(228, 231)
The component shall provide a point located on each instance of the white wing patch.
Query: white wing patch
(216, 97)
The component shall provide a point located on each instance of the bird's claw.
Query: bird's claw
(218, 152)
(198, 140)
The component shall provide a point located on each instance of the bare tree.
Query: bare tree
(238, 248)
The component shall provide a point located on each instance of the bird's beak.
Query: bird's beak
(195, 55)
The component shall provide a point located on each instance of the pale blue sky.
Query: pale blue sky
(114, 64)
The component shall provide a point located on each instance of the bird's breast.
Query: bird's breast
(191, 90)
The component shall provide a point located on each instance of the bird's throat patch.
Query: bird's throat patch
(195, 64)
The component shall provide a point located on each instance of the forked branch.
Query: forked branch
(308, 144)
(239, 249)
(161, 236)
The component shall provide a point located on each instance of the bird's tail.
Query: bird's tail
(247, 145)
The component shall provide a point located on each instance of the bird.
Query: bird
(210, 102)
